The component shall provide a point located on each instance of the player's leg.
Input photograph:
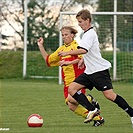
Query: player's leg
(98, 120)
(75, 107)
(73, 90)
(73, 104)
(103, 83)
(81, 82)
(80, 110)
(120, 101)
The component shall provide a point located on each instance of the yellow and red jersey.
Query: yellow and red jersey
(69, 72)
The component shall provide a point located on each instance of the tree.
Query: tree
(42, 21)
(13, 17)
(43, 17)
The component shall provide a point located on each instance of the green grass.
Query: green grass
(21, 98)
(11, 64)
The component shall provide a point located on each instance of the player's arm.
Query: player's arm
(42, 50)
(73, 52)
(66, 63)
(81, 63)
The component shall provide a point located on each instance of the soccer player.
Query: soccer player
(96, 73)
(70, 70)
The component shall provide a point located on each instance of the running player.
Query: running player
(70, 70)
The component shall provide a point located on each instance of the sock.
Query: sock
(124, 105)
(81, 98)
(80, 110)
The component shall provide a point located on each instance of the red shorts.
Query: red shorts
(66, 91)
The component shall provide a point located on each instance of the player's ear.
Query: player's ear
(88, 20)
(72, 35)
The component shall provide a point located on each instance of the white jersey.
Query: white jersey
(93, 59)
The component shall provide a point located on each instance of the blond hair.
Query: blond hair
(72, 30)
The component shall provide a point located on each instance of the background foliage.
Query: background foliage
(43, 20)
(11, 65)
(124, 24)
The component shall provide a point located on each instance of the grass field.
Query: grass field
(20, 98)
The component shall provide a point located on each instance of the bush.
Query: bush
(11, 65)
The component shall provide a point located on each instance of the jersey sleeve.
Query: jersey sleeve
(75, 48)
(53, 59)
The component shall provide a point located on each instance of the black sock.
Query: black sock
(82, 99)
(124, 105)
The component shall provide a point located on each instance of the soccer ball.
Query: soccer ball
(35, 120)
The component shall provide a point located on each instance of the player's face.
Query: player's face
(67, 36)
(84, 24)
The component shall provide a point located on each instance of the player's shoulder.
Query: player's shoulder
(74, 47)
(74, 43)
(89, 34)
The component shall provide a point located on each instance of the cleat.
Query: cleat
(132, 121)
(98, 123)
(95, 103)
(97, 117)
(92, 100)
(91, 115)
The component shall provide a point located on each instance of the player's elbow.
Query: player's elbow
(82, 50)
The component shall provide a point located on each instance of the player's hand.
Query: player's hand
(64, 63)
(61, 53)
(81, 64)
(40, 41)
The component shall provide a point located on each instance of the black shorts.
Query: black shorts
(100, 80)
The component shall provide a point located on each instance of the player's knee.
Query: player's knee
(72, 89)
(71, 100)
(110, 95)
(71, 106)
